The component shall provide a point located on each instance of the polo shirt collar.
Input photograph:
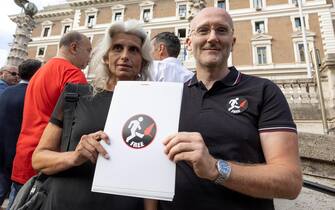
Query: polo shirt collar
(232, 78)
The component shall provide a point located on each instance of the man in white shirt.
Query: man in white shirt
(166, 67)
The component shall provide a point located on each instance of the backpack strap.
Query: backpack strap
(72, 93)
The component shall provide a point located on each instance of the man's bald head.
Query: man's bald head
(210, 11)
(76, 48)
(71, 37)
(211, 50)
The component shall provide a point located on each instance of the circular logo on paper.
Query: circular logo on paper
(139, 131)
(237, 105)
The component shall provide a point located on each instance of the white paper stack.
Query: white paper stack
(136, 168)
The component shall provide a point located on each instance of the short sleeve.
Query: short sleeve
(57, 114)
(275, 114)
(75, 76)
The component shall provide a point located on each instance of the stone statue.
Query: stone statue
(21, 3)
(30, 9)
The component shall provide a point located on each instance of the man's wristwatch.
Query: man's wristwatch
(224, 171)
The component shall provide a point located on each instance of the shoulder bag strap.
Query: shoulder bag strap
(71, 97)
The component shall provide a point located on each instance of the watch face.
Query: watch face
(224, 168)
(224, 172)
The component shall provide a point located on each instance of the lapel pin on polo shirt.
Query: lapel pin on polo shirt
(237, 105)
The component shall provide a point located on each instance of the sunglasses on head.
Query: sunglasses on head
(14, 74)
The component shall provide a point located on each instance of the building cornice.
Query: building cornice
(238, 15)
(53, 13)
(68, 8)
(247, 14)
(81, 3)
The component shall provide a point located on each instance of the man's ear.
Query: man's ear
(188, 43)
(233, 44)
(161, 48)
(162, 52)
(73, 47)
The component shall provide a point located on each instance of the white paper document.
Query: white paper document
(141, 115)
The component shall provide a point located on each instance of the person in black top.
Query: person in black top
(11, 110)
(123, 54)
(237, 147)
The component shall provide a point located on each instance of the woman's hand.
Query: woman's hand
(89, 147)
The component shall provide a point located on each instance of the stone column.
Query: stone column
(25, 25)
(19, 48)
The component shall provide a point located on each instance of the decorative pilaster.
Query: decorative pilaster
(327, 33)
(76, 20)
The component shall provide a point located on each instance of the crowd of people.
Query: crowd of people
(236, 148)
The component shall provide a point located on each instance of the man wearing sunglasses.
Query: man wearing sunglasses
(8, 76)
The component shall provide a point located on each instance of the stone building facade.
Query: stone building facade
(269, 37)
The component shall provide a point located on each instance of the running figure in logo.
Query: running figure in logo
(134, 126)
(139, 131)
(237, 105)
(233, 104)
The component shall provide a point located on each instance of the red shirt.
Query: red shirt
(42, 94)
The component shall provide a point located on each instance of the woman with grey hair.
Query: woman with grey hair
(103, 75)
(123, 54)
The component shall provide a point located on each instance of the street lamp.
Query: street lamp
(303, 30)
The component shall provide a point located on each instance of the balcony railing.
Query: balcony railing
(300, 91)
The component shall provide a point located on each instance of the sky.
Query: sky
(7, 27)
